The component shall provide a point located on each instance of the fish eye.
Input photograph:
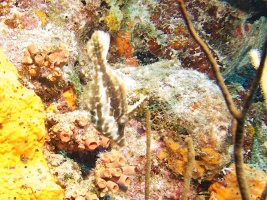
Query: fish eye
(123, 119)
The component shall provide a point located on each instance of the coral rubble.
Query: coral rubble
(24, 171)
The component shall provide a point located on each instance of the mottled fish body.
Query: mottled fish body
(107, 97)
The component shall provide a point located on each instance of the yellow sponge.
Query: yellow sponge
(24, 171)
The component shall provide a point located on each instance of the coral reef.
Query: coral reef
(66, 102)
(112, 173)
(213, 19)
(70, 177)
(257, 150)
(72, 132)
(114, 18)
(24, 171)
(45, 40)
(42, 70)
(183, 106)
(192, 106)
(239, 69)
(46, 58)
(227, 188)
(15, 22)
(207, 164)
(5, 7)
(123, 44)
(163, 183)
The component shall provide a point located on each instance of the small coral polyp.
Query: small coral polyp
(73, 132)
(45, 63)
(42, 70)
(112, 174)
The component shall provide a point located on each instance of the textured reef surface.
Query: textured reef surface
(66, 102)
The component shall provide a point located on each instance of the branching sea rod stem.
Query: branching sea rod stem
(148, 155)
(238, 125)
(189, 167)
(239, 133)
(212, 60)
(264, 193)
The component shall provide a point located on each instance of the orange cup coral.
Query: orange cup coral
(110, 176)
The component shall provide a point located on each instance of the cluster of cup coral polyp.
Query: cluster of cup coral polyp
(45, 63)
(86, 196)
(112, 174)
(73, 132)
